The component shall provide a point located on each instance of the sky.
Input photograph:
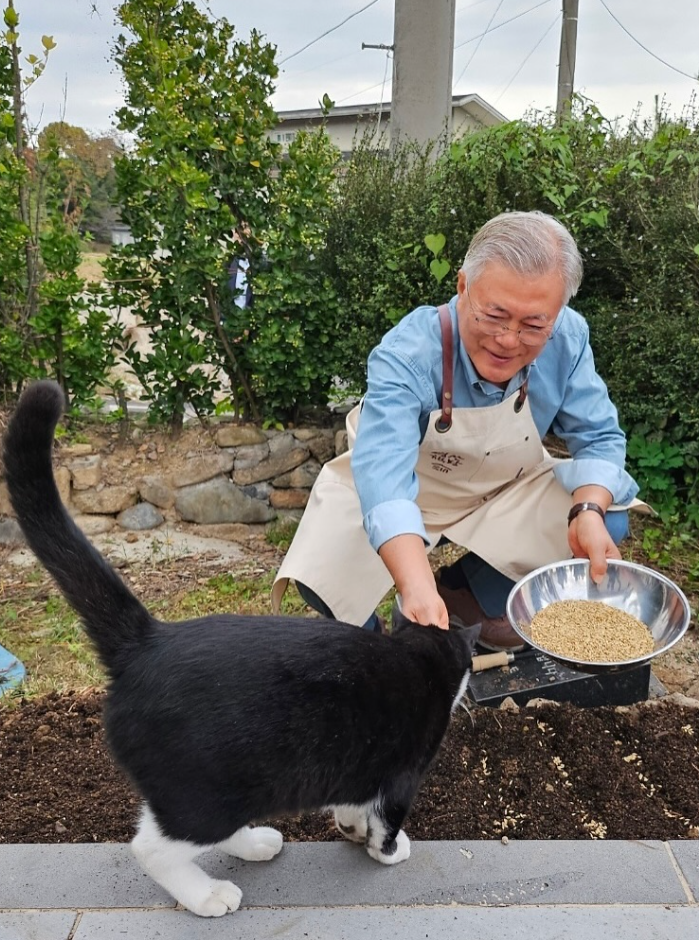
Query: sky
(514, 66)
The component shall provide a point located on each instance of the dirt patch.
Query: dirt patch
(552, 772)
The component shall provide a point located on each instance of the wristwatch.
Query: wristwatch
(583, 507)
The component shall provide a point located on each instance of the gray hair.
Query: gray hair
(530, 243)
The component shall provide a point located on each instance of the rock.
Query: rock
(110, 500)
(10, 534)
(230, 531)
(75, 450)
(300, 478)
(509, 705)
(281, 443)
(5, 504)
(156, 490)
(139, 517)
(238, 436)
(246, 457)
(307, 434)
(95, 525)
(288, 499)
(62, 477)
(202, 468)
(86, 471)
(323, 448)
(538, 702)
(677, 698)
(258, 490)
(272, 467)
(219, 501)
(341, 442)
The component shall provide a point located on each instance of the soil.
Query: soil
(545, 772)
(555, 771)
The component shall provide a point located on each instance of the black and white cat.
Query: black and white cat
(227, 720)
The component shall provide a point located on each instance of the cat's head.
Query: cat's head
(468, 635)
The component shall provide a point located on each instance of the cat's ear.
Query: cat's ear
(469, 635)
(398, 618)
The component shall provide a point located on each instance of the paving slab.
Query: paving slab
(687, 857)
(37, 925)
(75, 876)
(314, 874)
(450, 923)
(469, 872)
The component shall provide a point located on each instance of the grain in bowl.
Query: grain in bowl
(590, 631)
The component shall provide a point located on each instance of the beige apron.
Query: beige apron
(486, 484)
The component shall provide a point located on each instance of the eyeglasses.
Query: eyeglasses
(493, 326)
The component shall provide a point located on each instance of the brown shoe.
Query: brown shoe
(496, 633)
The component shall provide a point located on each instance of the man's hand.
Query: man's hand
(425, 607)
(406, 559)
(588, 538)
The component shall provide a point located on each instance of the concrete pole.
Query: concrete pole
(423, 42)
(566, 62)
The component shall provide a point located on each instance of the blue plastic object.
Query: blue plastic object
(12, 671)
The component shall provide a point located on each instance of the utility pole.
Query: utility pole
(423, 42)
(566, 62)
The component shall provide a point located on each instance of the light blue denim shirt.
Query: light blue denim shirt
(404, 385)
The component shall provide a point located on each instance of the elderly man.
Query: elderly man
(447, 444)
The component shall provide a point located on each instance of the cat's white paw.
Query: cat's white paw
(223, 898)
(258, 844)
(352, 823)
(400, 855)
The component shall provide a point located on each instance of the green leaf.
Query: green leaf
(11, 17)
(48, 43)
(440, 267)
(435, 243)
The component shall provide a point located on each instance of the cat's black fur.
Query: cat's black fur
(226, 719)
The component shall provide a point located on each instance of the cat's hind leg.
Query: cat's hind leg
(170, 862)
(253, 843)
(352, 822)
(386, 841)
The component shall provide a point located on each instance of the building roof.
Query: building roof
(473, 103)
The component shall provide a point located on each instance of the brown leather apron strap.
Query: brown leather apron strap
(444, 421)
(522, 396)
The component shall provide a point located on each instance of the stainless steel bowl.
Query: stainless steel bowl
(650, 597)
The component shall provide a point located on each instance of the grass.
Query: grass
(37, 625)
(47, 636)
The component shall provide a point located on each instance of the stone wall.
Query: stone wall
(241, 476)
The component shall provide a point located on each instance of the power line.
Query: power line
(326, 33)
(645, 48)
(359, 92)
(472, 39)
(480, 40)
(322, 65)
(526, 59)
(504, 23)
(383, 89)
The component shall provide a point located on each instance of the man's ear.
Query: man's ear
(461, 283)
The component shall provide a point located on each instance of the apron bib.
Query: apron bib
(485, 483)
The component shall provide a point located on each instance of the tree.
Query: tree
(83, 184)
(49, 325)
(200, 188)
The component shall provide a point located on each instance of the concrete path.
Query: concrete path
(333, 891)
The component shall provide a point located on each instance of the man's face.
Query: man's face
(500, 298)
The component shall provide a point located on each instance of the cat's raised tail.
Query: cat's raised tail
(114, 619)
